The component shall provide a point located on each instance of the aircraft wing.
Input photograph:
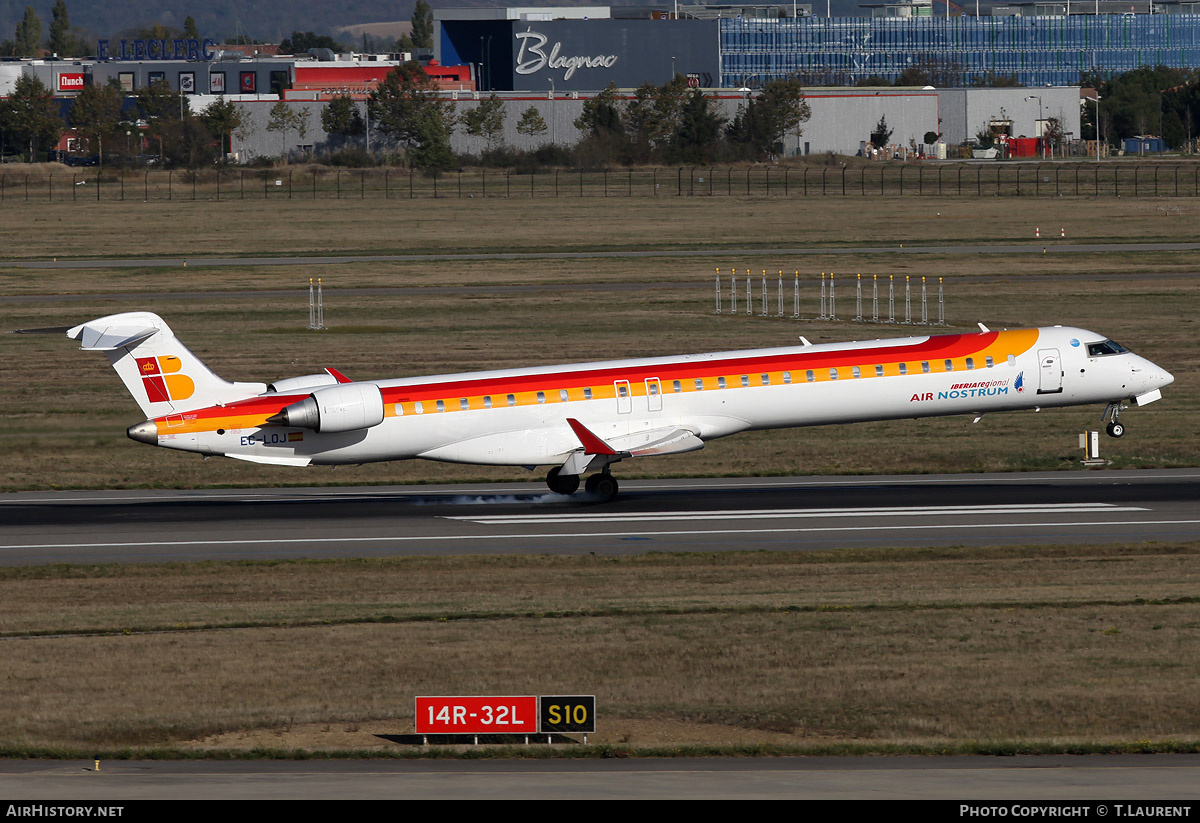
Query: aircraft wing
(673, 440)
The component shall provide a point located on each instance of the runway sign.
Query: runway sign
(561, 713)
(477, 715)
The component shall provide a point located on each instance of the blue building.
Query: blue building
(734, 47)
(955, 51)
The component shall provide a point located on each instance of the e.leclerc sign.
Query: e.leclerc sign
(178, 49)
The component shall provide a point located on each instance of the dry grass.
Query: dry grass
(887, 647)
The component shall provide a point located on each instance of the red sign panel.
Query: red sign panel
(477, 715)
(70, 82)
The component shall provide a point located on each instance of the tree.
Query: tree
(301, 41)
(485, 120)
(532, 124)
(341, 117)
(30, 116)
(881, 134)
(62, 42)
(28, 41)
(652, 118)
(189, 28)
(282, 119)
(96, 113)
(407, 107)
(760, 125)
(599, 115)
(422, 25)
(913, 76)
(221, 118)
(158, 100)
(699, 130)
(163, 109)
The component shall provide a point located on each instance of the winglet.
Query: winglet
(591, 443)
(337, 375)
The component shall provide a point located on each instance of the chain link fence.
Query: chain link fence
(1110, 179)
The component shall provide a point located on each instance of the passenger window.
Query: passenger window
(623, 390)
(904, 368)
(399, 409)
(541, 397)
(441, 405)
(856, 372)
(745, 380)
(925, 366)
(787, 377)
(970, 363)
(879, 371)
(699, 384)
(418, 408)
(587, 393)
(833, 374)
(720, 382)
(464, 404)
(949, 365)
(562, 395)
(512, 400)
(766, 379)
(487, 402)
(809, 376)
(653, 387)
(988, 362)
(677, 386)
(1012, 361)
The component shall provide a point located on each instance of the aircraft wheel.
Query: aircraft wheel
(603, 486)
(1115, 429)
(562, 483)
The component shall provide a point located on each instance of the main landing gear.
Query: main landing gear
(1115, 428)
(602, 485)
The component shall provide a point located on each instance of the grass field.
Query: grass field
(1053, 648)
(942, 650)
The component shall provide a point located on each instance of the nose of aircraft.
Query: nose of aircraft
(1153, 375)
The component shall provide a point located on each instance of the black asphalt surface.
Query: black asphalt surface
(661, 515)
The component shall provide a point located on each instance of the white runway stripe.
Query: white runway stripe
(764, 514)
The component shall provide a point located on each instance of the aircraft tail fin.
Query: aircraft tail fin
(160, 372)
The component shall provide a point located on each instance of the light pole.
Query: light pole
(1039, 121)
(553, 129)
(1097, 126)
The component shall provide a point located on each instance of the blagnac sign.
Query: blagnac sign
(532, 56)
(178, 49)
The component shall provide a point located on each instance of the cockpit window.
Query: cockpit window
(1107, 347)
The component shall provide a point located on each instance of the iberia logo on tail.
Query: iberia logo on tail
(161, 379)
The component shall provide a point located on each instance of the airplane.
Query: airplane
(581, 418)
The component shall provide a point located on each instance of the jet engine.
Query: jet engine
(308, 381)
(341, 408)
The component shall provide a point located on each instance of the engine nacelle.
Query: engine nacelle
(308, 381)
(341, 408)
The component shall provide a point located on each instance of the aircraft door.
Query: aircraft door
(624, 396)
(1051, 379)
(654, 394)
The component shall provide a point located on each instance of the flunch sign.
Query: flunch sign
(70, 82)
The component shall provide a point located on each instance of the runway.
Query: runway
(1078, 786)
(705, 515)
(336, 260)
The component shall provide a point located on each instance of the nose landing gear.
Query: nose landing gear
(1115, 428)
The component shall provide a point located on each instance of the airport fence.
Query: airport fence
(1107, 179)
